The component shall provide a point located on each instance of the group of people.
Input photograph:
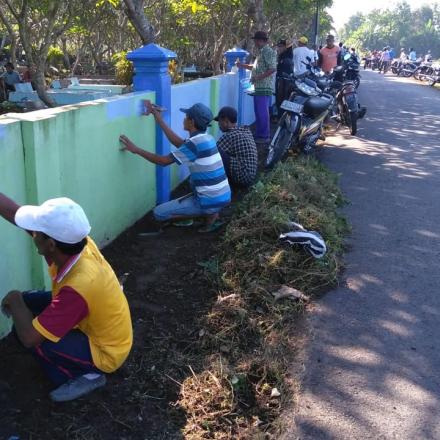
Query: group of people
(387, 55)
(81, 329)
(285, 61)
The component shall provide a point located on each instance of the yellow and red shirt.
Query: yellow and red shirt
(86, 295)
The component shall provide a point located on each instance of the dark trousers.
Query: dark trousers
(283, 89)
(66, 359)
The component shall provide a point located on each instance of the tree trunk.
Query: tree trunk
(135, 13)
(65, 54)
(12, 36)
(39, 82)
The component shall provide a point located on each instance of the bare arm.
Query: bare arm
(14, 305)
(8, 208)
(244, 66)
(174, 138)
(128, 145)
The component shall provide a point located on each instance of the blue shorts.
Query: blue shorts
(186, 206)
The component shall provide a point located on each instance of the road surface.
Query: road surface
(372, 367)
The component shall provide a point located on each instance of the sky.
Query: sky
(342, 10)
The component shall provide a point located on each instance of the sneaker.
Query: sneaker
(77, 387)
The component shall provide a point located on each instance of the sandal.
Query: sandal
(212, 227)
(184, 223)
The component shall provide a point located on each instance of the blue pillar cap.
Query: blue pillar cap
(237, 52)
(151, 52)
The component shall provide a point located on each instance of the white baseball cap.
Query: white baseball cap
(61, 219)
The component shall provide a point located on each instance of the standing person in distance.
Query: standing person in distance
(262, 70)
(300, 55)
(284, 67)
(412, 55)
(329, 56)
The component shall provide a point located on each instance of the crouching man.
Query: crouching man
(211, 191)
(237, 148)
(82, 329)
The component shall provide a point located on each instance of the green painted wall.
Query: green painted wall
(73, 151)
(16, 246)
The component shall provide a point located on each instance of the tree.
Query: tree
(39, 24)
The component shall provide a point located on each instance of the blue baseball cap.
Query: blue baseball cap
(200, 114)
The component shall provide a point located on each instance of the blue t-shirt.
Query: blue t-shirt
(11, 78)
(208, 177)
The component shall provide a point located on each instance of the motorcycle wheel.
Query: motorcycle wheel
(352, 122)
(431, 82)
(280, 147)
(357, 82)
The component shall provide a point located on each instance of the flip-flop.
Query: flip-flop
(212, 227)
(183, 223)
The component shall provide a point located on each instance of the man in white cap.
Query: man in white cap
(82, 329)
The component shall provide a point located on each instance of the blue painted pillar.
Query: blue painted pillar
(231, 56)
(151, 73)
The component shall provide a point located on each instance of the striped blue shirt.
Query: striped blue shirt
(208, 177)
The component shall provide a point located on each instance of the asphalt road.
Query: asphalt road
(372, 368)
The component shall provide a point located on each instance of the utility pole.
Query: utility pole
(317, 23)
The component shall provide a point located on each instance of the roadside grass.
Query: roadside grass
(241, 381)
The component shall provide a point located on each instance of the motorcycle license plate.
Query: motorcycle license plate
(292, 106)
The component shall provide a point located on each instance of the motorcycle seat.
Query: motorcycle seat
(315, 105)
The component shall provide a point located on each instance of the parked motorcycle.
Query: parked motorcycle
(346, 108)
(300, 126)
(424, 69)
(351, 69)
(409, 68)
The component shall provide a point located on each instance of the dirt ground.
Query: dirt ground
(167, 295)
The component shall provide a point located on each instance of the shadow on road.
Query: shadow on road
(372, 370)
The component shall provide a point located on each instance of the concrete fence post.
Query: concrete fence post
(231, 56)
(151, 73)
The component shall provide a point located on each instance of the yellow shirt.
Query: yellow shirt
(108, 322)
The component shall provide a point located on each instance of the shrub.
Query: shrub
(123, 67)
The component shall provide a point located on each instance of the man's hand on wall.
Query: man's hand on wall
(127, 145)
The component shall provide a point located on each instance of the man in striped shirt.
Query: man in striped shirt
(211, 191)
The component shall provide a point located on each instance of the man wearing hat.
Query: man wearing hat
(237, 149)
(284, 67)
(262, 77)
(211, 191)
(300, 55)
(329, 56)
(82, 329)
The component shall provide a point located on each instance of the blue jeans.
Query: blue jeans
(66, 359)
(186, 206)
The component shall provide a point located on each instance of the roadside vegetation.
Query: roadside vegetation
(247, 340)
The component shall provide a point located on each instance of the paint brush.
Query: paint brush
(148, 106)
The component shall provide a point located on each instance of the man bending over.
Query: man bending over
(82, 329)
(237, 148)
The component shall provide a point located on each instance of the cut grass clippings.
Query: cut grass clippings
(247, 341)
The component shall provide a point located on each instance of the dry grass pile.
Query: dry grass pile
(247, 337)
